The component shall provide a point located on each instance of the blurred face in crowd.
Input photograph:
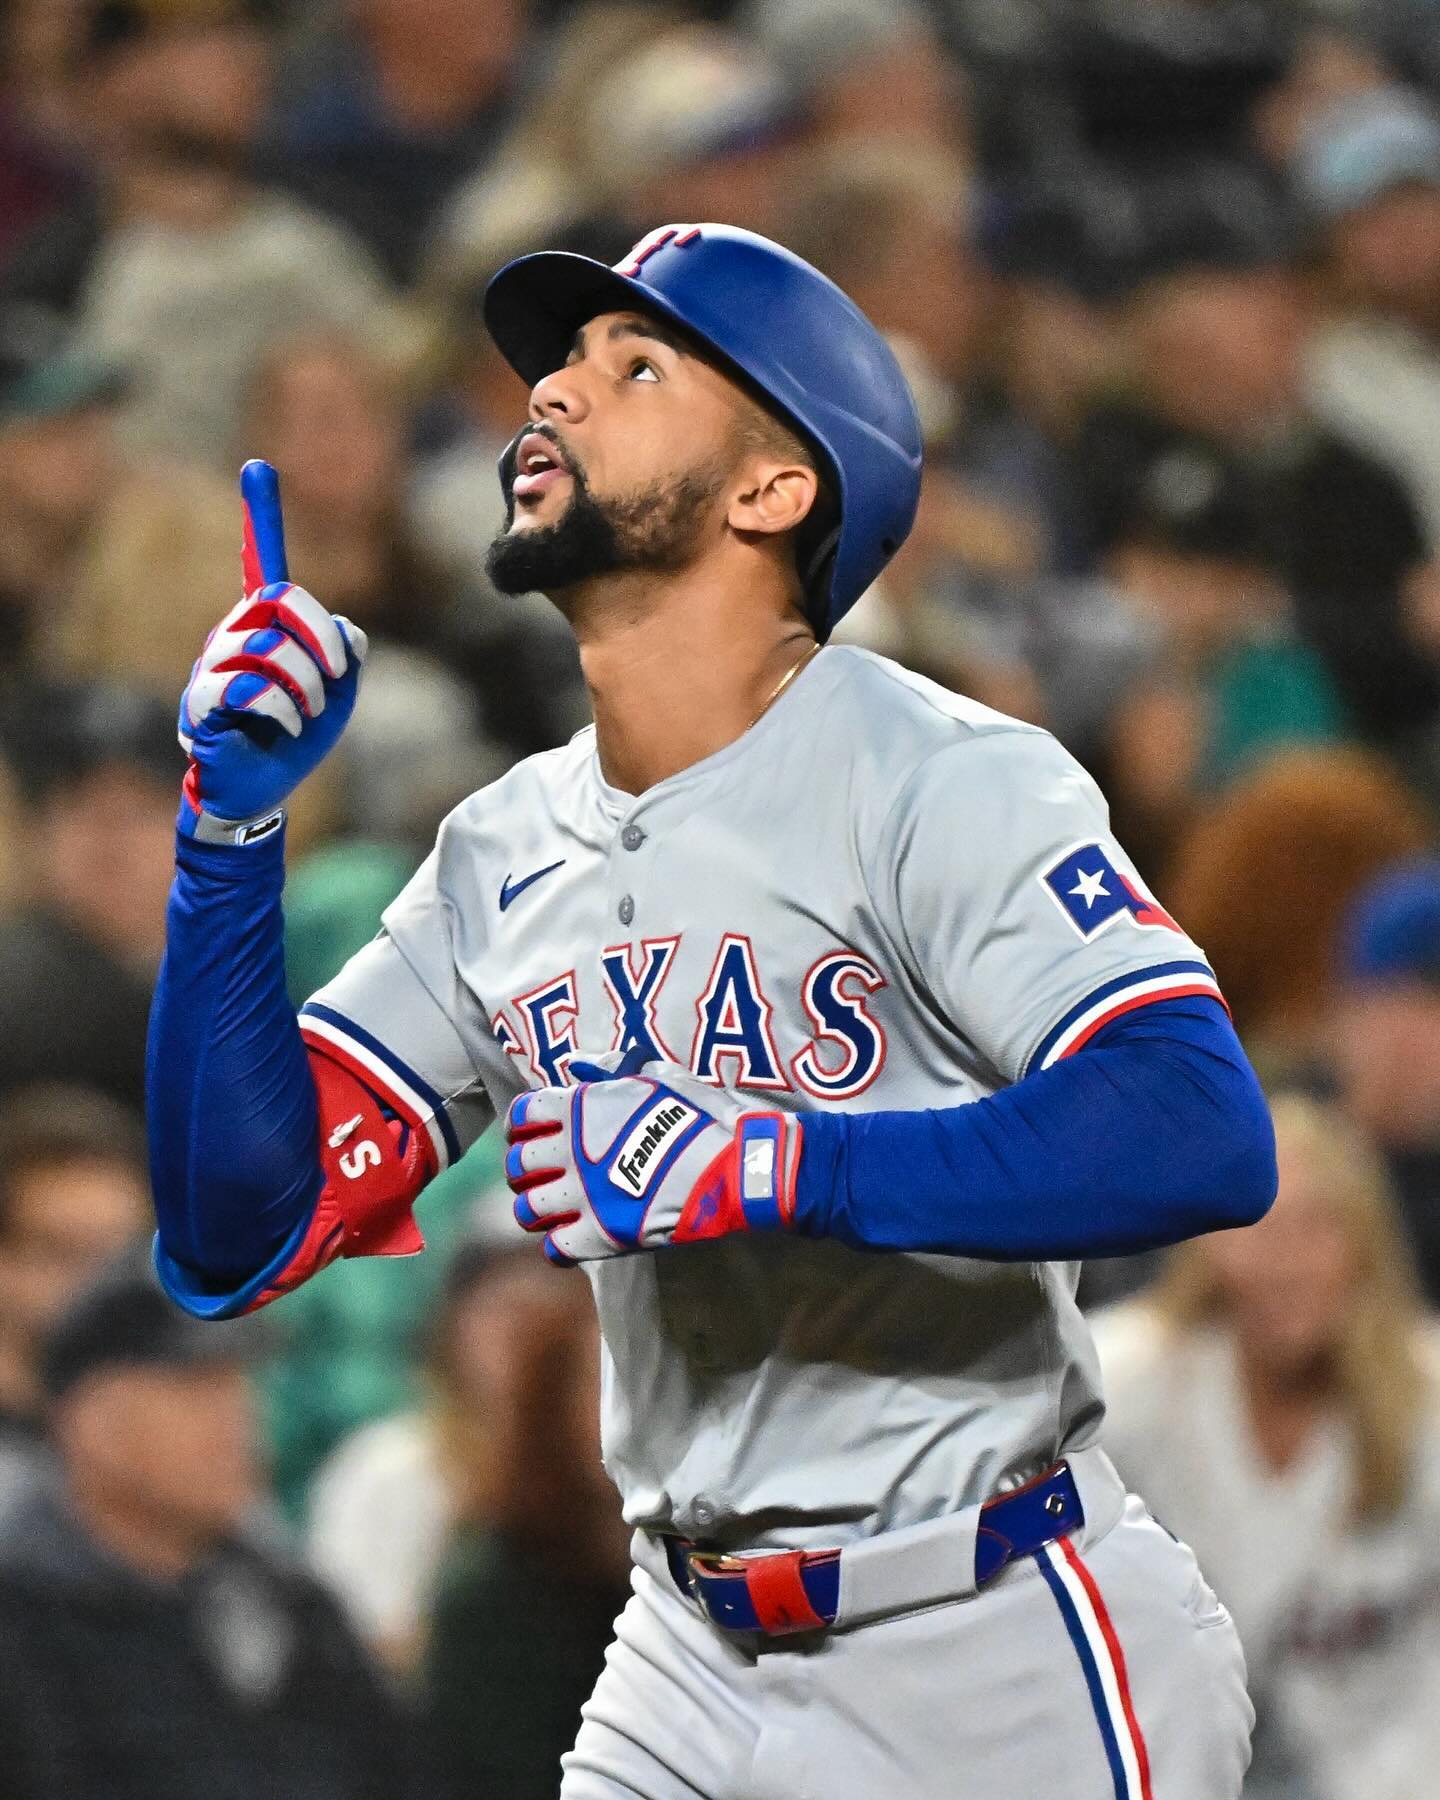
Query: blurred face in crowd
(1059, 350)
(744, 187)
(1386, 1051)
(1201, 602)
(513, 1336)
(210, 81)
(105, 855)
(643, 458)
(322, 413)
(170, 1452)
(437, 55)
(1286, 1283)
(62, 1222)
(1219, 351)
(923, 284)
(53, 473)
(520, 1367)
(172, 114)
(1388, 254)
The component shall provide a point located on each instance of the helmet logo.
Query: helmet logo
(653, 241)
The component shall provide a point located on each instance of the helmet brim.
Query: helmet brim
(536, 305)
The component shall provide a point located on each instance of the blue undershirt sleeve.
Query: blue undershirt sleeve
(230, 1101)
(1155, 1131)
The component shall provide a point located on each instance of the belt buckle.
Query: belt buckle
(702, 1566)
(710, 1562)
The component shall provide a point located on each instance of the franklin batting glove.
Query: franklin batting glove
(629, 1162)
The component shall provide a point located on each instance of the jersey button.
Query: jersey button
(627, 909)
(632, 837)
(704, 1512)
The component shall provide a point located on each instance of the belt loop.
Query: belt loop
(778, 1595)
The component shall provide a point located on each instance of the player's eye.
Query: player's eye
(642, 369)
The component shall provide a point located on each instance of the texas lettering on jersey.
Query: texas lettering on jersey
(734, 1040)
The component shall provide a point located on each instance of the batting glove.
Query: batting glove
(271, 693)
(627, 1162)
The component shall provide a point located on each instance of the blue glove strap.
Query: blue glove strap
(762, 1171)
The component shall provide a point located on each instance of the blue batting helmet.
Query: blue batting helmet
(790, 334)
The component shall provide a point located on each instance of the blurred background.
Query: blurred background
(1165, 275)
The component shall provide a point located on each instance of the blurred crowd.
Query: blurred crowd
(1165, 275)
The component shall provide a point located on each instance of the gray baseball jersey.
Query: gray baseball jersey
(881, 896)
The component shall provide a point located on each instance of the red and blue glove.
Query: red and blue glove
(273, 688)
(629, 1161)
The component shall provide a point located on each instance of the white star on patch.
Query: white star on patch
(1090, 887)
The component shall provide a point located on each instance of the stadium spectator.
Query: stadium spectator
(108, 566)
(73, 1193)
(537, 1567)
(848, 59)
(692, 123)
(1276, 1399)
(383, 1504)
(97, 772)
(1368, 175)
(390, 106)
(208, 1664)
(110, 86)
(1384, 1042)
(1231, 683)
(1215, 331)
(183, 266)
(322, 407)
(1263, 878)
(893, 227)
(542, 183)
(55, 458)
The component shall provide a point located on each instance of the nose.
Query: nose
(560, 395)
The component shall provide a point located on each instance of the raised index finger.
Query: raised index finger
(263, 556)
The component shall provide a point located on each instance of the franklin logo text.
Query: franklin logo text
(648, 1137)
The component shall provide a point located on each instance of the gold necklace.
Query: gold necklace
(784, 682)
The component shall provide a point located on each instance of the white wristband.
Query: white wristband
(210, 830)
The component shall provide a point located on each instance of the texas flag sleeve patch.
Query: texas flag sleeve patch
(1092, 893)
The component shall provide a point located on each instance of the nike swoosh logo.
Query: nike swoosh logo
(511, 890)
(341, 1132)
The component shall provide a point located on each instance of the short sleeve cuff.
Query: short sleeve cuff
(1121, 994)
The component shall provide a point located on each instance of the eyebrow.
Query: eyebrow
(636, 328)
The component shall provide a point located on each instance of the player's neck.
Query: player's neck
(677, 669)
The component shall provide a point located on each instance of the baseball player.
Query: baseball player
(832, 1027)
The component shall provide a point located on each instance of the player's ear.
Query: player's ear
(774, 496)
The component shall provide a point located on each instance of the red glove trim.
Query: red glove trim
(713, 1209)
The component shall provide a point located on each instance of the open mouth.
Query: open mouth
(538, 466)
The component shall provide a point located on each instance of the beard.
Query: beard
(658, 529)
